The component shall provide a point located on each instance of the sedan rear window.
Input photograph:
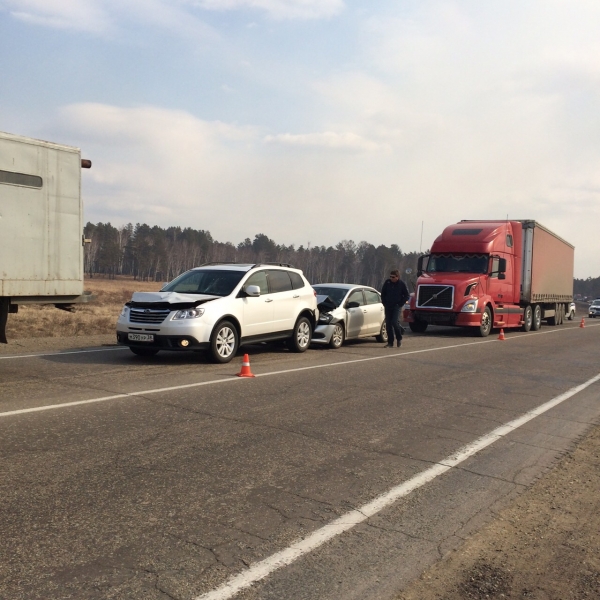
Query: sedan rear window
(372, 297)
(213, 282)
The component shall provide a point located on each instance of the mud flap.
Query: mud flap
(4, 308)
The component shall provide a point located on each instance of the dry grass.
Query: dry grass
(97, 317)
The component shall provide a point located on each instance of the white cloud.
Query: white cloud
(181, 16)
(281, 9)
(327, 139)
(85, 15)
(105, 17)
(168, 167)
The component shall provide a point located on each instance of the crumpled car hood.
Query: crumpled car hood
(325, 304)
(169, 299)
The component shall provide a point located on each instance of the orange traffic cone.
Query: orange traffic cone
(501, 336)
(245, 372)
(582, 324)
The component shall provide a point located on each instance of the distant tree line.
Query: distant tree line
(587, 288)
(157, 254)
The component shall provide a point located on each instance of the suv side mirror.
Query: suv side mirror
(252, 290)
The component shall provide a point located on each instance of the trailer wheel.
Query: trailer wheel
(537, 318)
(561, 314)
(486, 323)
(555, 320)
(527, 318)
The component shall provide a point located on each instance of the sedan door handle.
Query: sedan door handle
(269, 300)
(297, 296)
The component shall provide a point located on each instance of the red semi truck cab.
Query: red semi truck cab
(486, 274)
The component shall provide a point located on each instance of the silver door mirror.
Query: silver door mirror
(252, 290)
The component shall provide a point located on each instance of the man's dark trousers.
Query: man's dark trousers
(392, 323)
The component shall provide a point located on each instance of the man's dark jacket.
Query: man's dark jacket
(394, 292)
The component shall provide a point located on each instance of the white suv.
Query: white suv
(218, 307)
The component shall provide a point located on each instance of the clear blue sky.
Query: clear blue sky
(318, 120)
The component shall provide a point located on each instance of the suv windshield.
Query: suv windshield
(457, 263)
(206, 281)
(336, 294)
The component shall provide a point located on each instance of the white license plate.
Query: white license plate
(140, 337)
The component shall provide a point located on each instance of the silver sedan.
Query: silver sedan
(348, 311)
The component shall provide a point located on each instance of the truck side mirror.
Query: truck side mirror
(501, 276)
(420, 264)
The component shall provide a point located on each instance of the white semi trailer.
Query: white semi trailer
(41, 225)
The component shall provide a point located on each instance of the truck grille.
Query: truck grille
(148, 315)
(435, 296)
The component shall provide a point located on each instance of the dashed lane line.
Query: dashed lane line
(230, 379)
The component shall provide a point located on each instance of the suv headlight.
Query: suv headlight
(124, 312)
(188, 313)
(470, 306)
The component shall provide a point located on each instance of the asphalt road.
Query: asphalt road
(166, 477)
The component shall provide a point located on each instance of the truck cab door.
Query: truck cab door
(500, 284)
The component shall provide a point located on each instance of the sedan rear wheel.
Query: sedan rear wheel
(337, 337)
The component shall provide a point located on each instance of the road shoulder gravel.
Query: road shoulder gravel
(545, 545)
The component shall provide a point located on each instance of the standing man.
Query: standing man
(394, 294)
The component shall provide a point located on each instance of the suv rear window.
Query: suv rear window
(279, 281)
(297, 281)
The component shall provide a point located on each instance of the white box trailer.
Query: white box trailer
(41, 225)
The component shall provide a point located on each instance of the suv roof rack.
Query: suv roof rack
(223, 262)
(252, 266)
(276, 264)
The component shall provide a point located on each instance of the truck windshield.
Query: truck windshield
(458, 263)
(208, 281)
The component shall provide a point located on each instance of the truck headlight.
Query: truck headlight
(470, 306)
(325, 318)
(125, 312)
(188, 313)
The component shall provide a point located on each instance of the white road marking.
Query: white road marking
(63, 353)
(230, 379)
(265, 567)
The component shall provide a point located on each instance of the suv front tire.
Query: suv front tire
(224, 342)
